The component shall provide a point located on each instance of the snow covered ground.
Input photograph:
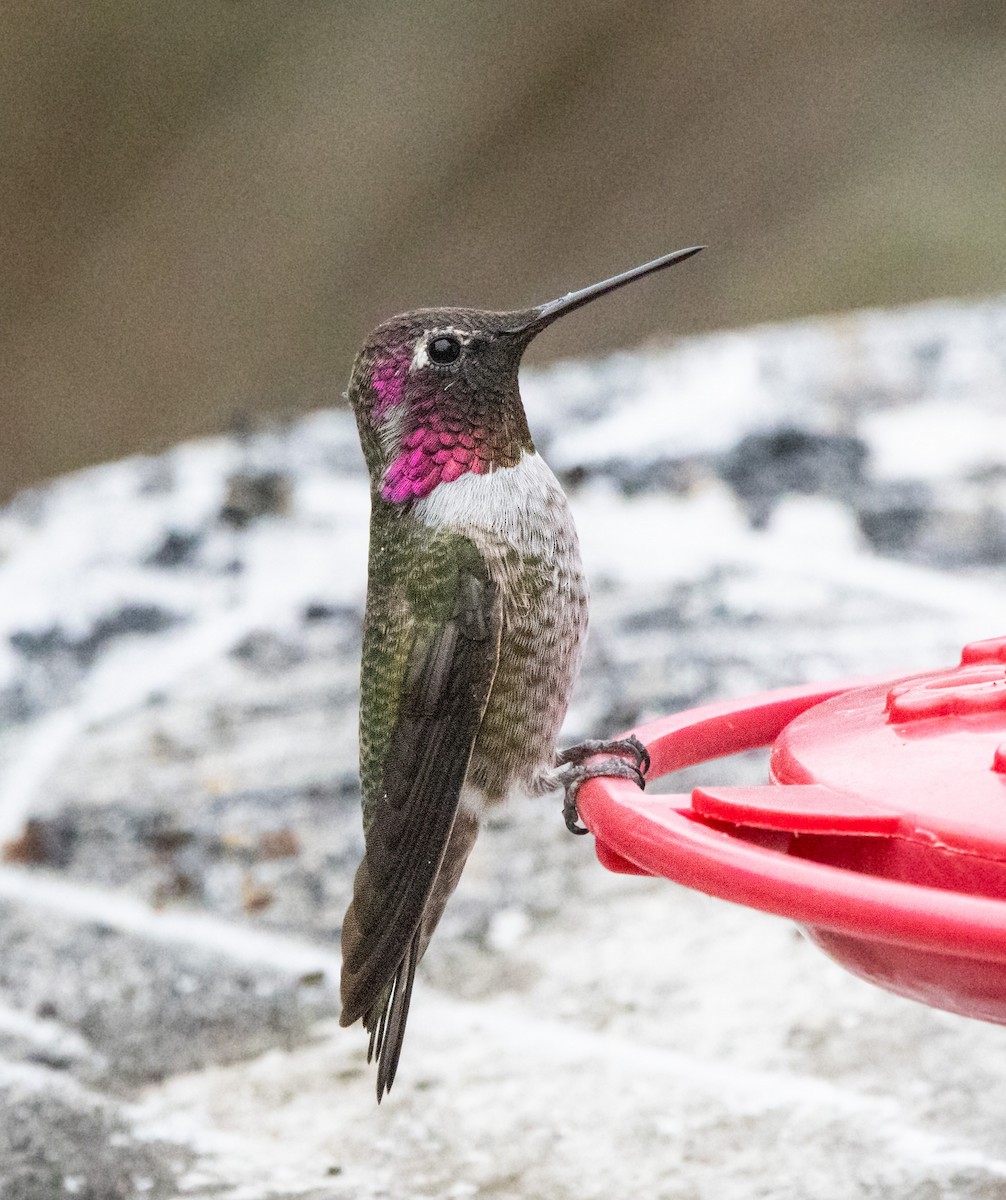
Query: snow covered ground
(178, 660)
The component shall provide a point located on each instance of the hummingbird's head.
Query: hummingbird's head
(435, 391)
(435, 395)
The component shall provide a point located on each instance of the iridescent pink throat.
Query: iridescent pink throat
(439, 451)
(435, 454)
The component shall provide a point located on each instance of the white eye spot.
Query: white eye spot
(421, 354)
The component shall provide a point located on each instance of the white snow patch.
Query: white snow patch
(935, 440)
(815, 521)
(650, 537)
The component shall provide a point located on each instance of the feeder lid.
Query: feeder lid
(923, 759)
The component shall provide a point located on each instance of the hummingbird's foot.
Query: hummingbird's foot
(630, 746)
(581, 769)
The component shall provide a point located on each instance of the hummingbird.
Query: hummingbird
(474, 628)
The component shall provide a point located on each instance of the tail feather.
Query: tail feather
(383, 1003)
(387, 1019)
(376, 1031)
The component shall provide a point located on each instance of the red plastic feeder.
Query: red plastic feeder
(882, 830)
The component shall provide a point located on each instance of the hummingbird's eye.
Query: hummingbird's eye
(443, 350)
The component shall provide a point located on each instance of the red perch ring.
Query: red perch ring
(882, 831)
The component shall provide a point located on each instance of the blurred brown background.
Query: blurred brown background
(205, 204)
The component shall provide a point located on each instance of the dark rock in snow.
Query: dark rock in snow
(764, 466)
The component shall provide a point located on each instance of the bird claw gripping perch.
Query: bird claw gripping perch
(577, 758)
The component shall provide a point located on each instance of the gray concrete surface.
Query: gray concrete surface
(178, 803)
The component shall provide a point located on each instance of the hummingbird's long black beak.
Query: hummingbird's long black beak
(545, 314)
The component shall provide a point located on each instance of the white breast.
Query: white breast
(521, 506)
